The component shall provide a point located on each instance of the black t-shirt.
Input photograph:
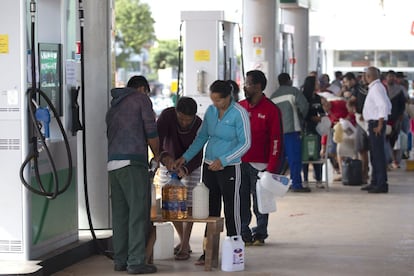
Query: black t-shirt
(315, 109)
(360, 94)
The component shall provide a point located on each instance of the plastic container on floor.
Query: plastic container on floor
(351, 172)
(164, 244)
(232, 257)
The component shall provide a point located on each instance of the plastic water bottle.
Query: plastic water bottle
(232, 258)
(200, 201)
(153, 202)
(174, 199)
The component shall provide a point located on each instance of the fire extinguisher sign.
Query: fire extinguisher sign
(257, 40)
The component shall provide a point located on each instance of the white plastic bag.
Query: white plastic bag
(349, 129)
(324, 126)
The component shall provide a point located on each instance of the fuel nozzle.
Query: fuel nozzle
(43, 116)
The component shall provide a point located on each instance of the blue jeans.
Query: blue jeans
(248, 187)
(293, 152)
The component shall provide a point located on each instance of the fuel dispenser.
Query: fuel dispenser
(38, 193)
(317, 55)
(209, 53)
(287, 48)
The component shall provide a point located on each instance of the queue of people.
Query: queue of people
(234, 142)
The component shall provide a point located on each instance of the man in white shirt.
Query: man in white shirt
(376, 109)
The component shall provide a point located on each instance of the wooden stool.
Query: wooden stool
(214, 228)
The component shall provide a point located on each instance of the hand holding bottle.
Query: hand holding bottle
(168, 162)
(179, 162)
(182, 172)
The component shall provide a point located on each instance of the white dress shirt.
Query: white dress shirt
(377, 104)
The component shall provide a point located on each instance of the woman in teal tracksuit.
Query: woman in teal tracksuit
(226, 130)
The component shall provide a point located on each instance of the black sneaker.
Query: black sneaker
(247, 241)
(141, 269)
(301, 190)
(367, 187)
(258, 242)
(120, 267)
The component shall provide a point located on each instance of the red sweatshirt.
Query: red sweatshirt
(267, 134)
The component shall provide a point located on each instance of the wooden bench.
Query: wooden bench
(214, 228)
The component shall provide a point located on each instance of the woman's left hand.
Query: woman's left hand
(216, 165)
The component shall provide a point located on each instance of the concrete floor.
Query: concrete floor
(341, 232)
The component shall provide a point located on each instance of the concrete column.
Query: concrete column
(98, 76)
(260, 21)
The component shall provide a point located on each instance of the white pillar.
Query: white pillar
(259, 39)
(98, 76)
(299, 17)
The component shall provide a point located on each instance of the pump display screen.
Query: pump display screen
(50, 74)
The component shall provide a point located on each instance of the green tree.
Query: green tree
(134, 28)
(164, 55)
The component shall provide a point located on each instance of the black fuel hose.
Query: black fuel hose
(37, 136)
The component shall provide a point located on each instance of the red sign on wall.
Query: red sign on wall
(257, 40)
(78, 47)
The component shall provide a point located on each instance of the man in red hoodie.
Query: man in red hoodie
(265, 153)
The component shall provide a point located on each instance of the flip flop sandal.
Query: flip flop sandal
(177, 249)
(201, 260)
(182, 256)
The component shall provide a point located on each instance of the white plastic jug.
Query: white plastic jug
(232, 254)
(164, 244)
(200, 201)
(266, 201)
(276, 184)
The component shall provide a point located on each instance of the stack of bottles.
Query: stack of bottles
(174, 199)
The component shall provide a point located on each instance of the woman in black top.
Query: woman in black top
(315, 113)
